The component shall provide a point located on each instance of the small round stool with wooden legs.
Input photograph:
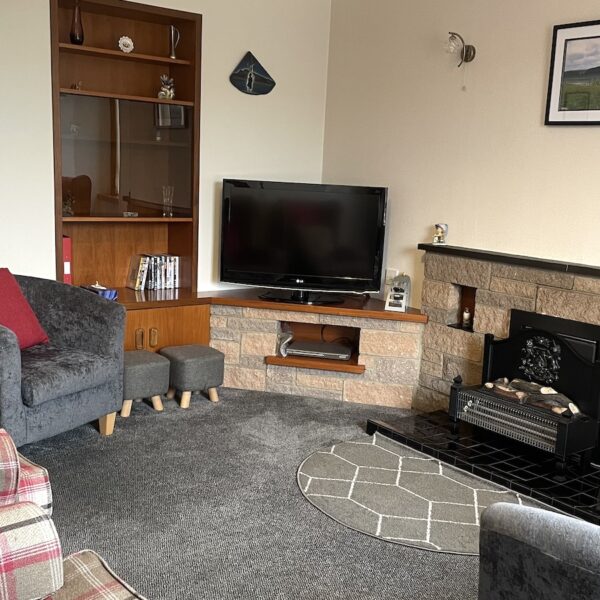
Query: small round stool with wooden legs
(145, 375)
(194, 367)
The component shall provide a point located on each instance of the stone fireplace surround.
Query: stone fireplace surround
(502, 282)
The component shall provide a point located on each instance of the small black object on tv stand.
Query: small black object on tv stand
(302, 297)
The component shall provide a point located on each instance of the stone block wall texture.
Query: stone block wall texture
(390, 350)
(448, 352)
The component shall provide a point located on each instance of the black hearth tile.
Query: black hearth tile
(523, 476)
(520, 488)
(500, 479)
(447, 457)
(462, 464)
(519, 463)
(564, 505)
(585, 501)
(481, 472)
(537, 495)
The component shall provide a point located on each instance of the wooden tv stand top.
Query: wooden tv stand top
(352, 306)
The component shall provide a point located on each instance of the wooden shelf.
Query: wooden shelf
(323, 364)
(118, 54)
(353, 306)
(127, 219)
(133, 300)
(125, 97)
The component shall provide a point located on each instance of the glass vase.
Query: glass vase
(76, 33)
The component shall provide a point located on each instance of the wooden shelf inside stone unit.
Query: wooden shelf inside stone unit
(323, 364)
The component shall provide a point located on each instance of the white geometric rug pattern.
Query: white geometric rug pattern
(392, 492)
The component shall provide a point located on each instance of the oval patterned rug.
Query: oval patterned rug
(390, 491)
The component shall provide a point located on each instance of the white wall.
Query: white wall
(26, 159)
(481, 159)
(278, 136)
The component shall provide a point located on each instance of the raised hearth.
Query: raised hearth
(501, 460)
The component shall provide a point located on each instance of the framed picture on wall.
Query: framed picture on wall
(574, 82)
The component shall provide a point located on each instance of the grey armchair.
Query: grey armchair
(76, 378)
(532, 554)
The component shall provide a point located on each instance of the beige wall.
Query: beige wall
(26, 163)
(481, 159)
(278, 136)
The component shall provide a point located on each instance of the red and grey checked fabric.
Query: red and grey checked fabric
(9, 470)
(34, 485)
(88, 577)
(20, 479)
(31, 563)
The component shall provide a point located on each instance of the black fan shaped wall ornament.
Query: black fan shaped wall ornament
(250, 77)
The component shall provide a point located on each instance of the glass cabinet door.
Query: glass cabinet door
(120, 158)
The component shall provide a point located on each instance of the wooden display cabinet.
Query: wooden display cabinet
(103, 240)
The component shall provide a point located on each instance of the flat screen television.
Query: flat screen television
(303, 237)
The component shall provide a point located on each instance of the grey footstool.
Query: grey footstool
(194, 367)
(146, 375)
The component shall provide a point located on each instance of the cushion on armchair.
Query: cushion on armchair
(17, 315)
(48, 372)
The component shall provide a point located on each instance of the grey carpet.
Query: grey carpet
(385, 489)
(204, 504)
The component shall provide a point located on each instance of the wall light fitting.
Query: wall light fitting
(456, 45)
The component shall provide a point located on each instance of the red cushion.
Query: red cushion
(17, 315)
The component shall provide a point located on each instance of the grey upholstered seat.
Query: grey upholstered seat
(77, 379)
(48, 372)
(532, 554)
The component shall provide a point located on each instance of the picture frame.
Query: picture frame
(574, 81)
(169, 116)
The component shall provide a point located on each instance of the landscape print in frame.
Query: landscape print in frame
(574, 82)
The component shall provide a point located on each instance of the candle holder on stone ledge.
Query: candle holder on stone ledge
(467, 309)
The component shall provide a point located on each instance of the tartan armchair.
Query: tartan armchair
(31, 562)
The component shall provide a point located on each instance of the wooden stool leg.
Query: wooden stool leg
(185, 399)
(157, 403)
(213, 395)
(171, 394)
(126, 408)
(107, 423)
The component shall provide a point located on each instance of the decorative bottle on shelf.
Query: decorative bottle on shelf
(76, 33)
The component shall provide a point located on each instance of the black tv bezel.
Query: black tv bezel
(298, 282)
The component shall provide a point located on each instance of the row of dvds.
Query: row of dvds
(153, 272)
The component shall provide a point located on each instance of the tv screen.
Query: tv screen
(303, 236)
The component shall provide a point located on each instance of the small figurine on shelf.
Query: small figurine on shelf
(441, 231)
(167, 87)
